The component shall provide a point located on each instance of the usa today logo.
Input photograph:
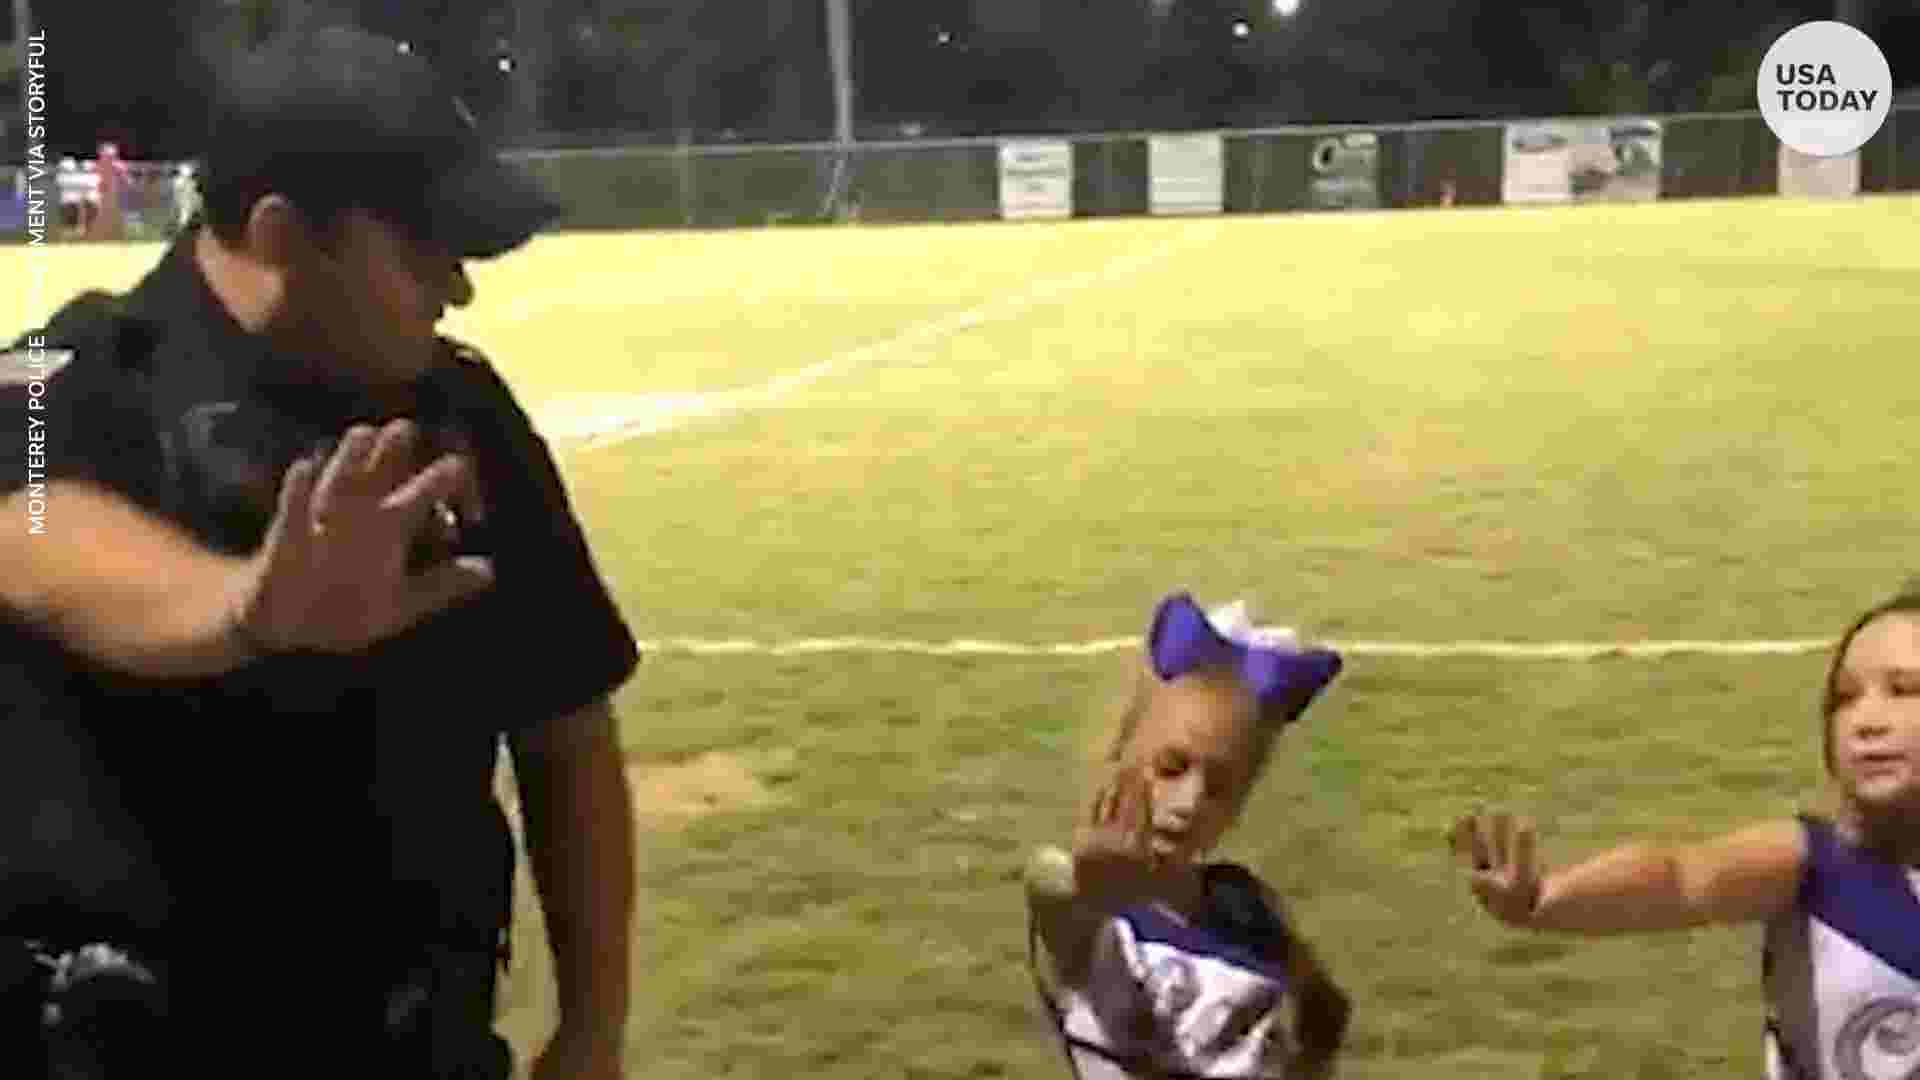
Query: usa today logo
(1825, 88)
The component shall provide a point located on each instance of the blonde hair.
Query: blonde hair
(1111, 739)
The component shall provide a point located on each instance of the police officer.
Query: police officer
(280, 568)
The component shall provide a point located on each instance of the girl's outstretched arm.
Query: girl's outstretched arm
(1744, 876)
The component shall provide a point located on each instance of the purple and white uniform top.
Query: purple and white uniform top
(1842, 968)
(1167, 998)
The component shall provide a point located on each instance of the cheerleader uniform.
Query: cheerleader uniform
(1842, 968)
(1167, 999)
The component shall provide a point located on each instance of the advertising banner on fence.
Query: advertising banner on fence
(1535, 168)
(1582, 161)
(1344, 172)
(1803, 176)
(1635, 173)
(1036, 179)
(1187, 174)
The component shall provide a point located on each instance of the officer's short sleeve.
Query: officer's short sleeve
(74, 414)
(569, 644)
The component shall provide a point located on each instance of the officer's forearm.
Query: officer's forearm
(580, 833)
(118, 586)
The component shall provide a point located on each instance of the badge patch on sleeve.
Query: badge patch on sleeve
(23, 367)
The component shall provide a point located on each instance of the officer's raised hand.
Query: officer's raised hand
(332, 573)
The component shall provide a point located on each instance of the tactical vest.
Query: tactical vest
(82, 860)
(75, 864)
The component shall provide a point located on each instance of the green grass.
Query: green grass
(869, 924)
(1682, 420)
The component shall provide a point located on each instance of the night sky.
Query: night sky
(747, 71)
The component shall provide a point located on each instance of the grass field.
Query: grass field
(1670, 421)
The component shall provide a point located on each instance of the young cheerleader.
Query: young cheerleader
(1840, 899)
(1152, 962)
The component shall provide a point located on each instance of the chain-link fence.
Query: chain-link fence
(1465, 163)
(1268, 171)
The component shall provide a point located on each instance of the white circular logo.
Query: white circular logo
(1825, 88)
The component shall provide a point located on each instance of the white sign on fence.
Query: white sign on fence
(1536, 168)
(1036, 179)
(1345, 172)
(1634, 173)
(1186, 174)
(1594, 161)
(1803, 176)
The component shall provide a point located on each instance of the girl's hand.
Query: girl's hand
(1112, 849)
(1500, 860)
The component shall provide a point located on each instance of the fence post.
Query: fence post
(1739, 157)
(683, 153)
(1262, 165)
(1893, 143)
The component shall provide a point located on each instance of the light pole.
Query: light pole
(840, 50)
(1854, 13)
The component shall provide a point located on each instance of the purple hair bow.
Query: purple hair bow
(1273, 666)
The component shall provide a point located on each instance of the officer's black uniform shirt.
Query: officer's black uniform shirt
(310, 802)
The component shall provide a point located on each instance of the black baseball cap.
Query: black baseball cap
(336, 117)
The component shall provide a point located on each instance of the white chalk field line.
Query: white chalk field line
(1499, 650)
(626, 417)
